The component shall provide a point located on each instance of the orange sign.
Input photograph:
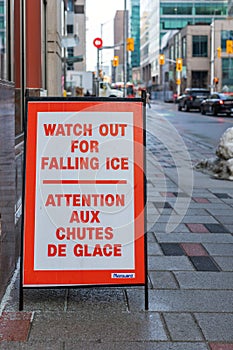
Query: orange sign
(84, 193)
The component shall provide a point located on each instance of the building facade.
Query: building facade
(160, 16)
(134, 20)
(230, 8)
(31, 64)
(76, 35)
(119, 27)
(223, 31)
(80, 30)
(206, 63)
(134, 24)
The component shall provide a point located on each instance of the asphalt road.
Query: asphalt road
(204, 128)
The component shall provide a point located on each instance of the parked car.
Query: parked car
(218, 103)
(191, 99)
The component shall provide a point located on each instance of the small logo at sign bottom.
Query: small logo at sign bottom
(122, 275)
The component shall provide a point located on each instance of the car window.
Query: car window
(200, 93)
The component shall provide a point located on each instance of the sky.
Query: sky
(100, 12)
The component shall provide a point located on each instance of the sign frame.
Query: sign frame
(68, 104)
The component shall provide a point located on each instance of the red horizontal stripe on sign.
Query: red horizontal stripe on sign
(84, 182)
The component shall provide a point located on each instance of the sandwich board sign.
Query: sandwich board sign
(84, 193)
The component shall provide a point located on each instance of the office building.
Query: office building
(134, 20)
(206, 58)
(76, 28)
(134, 32)
(158, 17)
(120, 25)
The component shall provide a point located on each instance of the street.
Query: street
(203, 128)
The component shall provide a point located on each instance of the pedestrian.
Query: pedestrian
(148, 99)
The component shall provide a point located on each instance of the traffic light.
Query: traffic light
(229, 46)
(161, 59)
(219, 52)
(216, 80)
(179, 64)
(130, 44)
(115, 61)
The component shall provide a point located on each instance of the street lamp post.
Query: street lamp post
(212, 58)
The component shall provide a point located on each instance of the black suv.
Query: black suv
(192, 98)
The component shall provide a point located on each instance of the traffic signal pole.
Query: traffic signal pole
(179, 66)
(98, 68)
(212, 58)
(178, 83)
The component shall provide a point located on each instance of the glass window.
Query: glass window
(79, 9)
(1, 8)
(70, 5)
(211, 9)
(200, 45)
(175, 9)
(70, 51)
(184, 47)
(171, 52)
(173, 23)
(225, 35)
(227, 73)
(70, 64)
(200, 80)
(176, 46)
(70, 29)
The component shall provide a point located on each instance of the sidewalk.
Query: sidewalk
(190, 272)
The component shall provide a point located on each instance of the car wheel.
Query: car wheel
(202, 111)
(214, 111)
(186, 108)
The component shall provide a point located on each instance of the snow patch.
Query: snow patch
(222, 165)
